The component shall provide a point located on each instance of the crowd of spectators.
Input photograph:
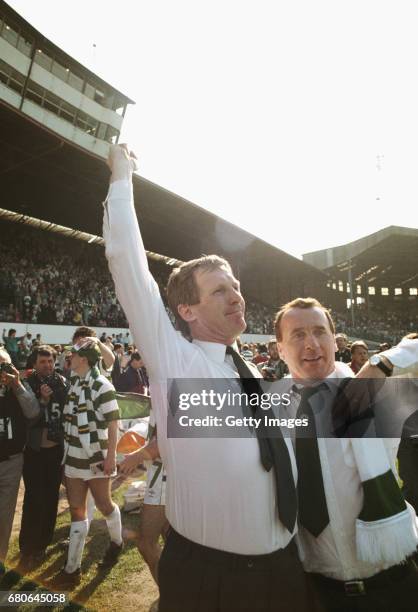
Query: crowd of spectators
(49, 279)
(377, 326)
(260, 318)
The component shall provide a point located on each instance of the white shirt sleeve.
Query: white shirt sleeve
(404, 355)
(163, 349)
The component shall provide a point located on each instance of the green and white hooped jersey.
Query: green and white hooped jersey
(99, 409)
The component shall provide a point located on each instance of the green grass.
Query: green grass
(127, 586)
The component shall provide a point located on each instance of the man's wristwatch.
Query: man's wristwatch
(381, 363)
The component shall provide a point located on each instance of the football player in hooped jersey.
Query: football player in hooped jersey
(90, 424)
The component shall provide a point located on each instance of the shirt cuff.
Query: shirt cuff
(404, 355)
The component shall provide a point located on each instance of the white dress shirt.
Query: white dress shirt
(403, 356)
(333, 552)
(218, 493)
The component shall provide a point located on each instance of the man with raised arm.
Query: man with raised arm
(231, 545)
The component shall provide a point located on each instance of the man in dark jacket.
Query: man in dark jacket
(134, 379)
(17, 405)
(42, 459)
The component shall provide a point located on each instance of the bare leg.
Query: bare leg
(153, 523)
(77, 495)
(100, 490)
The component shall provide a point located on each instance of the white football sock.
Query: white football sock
(114, 525)
(91, 507)
(78, 533)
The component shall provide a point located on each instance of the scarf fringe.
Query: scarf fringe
(389, 541)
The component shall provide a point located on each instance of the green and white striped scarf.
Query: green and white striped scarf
(386, 528)
(80, 403)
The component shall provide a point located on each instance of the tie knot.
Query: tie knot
(307, 392)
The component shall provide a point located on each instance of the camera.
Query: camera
(54, 382)
(53, 411)
(6, 368)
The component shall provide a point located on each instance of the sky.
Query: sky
(296, 120)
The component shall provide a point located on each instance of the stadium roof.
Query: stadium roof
(55, 50)
(47, 177)
(388, 257)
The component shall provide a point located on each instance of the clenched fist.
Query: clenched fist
(122, 162)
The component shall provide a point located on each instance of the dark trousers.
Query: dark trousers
(10, 474)
(196, 578)
(408, 470)
(42, 478)
(393, 590)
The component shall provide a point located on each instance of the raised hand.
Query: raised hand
(122, 162)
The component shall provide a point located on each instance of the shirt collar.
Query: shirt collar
(214, 350)
(342, 370)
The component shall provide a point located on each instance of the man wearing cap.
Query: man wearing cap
(86, 334)
(90, 435)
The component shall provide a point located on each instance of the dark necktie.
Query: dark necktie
(141, 377)
(313, 511)
(273, 451)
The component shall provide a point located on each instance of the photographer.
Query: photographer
(42, 459)
(16, 405)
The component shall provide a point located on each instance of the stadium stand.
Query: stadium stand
(376, 275)
(50, 279)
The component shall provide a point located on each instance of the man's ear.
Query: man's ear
(281, 351)
(186, 312)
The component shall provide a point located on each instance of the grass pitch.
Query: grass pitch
(128, 586)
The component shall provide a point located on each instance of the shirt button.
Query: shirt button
(250, 564)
